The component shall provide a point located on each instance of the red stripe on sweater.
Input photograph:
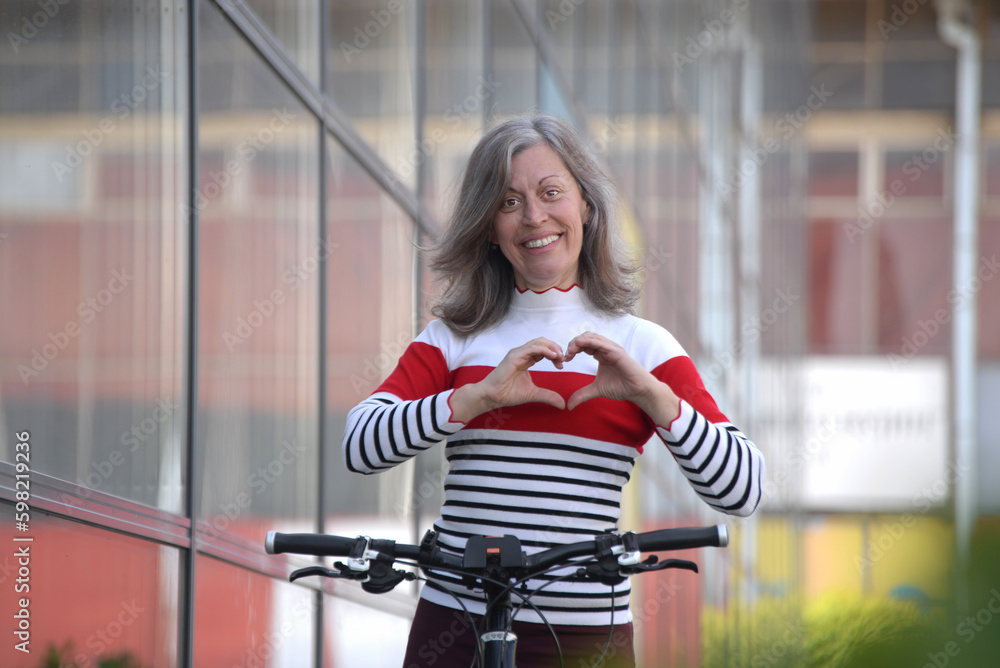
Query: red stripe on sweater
(682, 377)
(601, 419)
(421, 372)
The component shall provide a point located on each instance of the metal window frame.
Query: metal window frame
(59, 497)
(335, 122)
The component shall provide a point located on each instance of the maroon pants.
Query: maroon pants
(443, 638)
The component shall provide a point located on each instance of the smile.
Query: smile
(544, 241)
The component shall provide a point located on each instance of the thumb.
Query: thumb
(585, 393)
(550, 397)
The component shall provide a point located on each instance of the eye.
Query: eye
(551, 192)
(509, 203)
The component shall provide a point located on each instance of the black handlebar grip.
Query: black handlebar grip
(308, 543)
(683, 538)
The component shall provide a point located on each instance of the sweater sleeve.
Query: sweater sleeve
(721, 464)
(407, 414)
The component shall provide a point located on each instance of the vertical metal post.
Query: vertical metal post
(615, 82)
(420, 464)
(487, 6)
(715, 239)
(965, 251)
(540, 74)
(579, 50)
(321, 362)
(749, 232)
(186, 604)
(420, 115)
(749, 207)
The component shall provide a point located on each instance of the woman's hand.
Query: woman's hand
(509, 384)
(621, 377)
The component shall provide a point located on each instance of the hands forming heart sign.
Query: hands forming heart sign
(618, 377)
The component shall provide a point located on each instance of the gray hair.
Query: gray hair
(479, 280)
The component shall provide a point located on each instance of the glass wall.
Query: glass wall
(211, 223)
(258, 287)
(94, 244)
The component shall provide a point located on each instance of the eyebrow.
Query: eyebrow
(540, 181)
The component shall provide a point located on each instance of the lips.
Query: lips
(541, 242)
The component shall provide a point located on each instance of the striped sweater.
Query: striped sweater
(546, 475)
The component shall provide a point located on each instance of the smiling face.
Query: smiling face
(539, 225)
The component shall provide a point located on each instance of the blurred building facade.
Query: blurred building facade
(210, 220)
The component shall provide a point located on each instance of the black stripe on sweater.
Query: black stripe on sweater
(530, 493)
(531, 511)
(539, 445)
(539, 462)
(540, 478)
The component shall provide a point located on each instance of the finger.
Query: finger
(584, 394)
(546, 343)
(575, 346)
(589, 343)
(533, 352)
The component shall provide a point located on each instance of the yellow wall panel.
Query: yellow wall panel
(911, 551)
(879, 555)
(830, 546)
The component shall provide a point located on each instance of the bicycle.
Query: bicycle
(498, 566)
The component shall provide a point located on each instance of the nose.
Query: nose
(533, 212)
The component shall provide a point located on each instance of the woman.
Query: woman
(532, 258)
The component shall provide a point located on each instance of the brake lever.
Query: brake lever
(313, 570)
(611, 572)
(377, 580)
(651, 564)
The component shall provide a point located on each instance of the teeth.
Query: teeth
(538, 243)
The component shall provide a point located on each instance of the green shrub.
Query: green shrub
(771, 635)
(60, 657)
(854, 632)
(835, 631)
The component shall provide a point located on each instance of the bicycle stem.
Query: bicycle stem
(498, 646)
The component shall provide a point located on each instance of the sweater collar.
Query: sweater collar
(553, 298)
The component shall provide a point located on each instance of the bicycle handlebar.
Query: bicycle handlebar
(320, 545)
(683, 538)
(498, 565)
(341, 546)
